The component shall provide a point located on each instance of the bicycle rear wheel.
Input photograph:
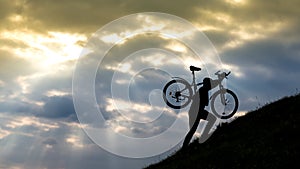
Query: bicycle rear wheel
(177, 93)
(226, 108)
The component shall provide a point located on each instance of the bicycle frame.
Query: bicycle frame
(194, 85)
(221, 88)
(194, 82)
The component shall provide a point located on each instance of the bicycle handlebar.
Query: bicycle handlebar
(226, 74)
(223, 74)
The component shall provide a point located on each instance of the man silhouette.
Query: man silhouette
(197, 111)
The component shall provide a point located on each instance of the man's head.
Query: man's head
(207, 82)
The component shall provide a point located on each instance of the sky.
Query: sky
(41, 42)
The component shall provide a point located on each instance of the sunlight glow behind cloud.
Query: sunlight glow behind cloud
(45, 50)
(237, 2)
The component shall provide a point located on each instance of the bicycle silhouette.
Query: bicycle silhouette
(178, 93)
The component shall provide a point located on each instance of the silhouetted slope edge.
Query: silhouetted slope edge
(264, 138)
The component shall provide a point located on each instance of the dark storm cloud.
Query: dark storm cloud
(60, 81)
(18, 106)
(50, 141)
(58, 107)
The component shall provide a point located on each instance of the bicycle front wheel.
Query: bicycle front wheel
(177, 93)
(224, 103)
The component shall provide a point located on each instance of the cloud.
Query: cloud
(13, 66)
(58, 107)
(17, 106)
(6, 9)
(50, 141)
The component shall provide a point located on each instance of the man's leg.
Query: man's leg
(211, 119)
(194, 110)
(202, 114)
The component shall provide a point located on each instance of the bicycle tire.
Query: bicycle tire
(234, 109)
(188, 97)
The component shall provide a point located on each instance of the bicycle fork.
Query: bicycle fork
(222, 95)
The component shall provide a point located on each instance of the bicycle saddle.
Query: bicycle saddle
(193, 68)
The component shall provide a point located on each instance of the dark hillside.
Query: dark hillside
(265, 138)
